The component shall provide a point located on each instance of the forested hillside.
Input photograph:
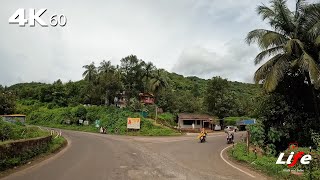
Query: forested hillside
(174, 93)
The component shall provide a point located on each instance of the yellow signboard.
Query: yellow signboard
(133, 123)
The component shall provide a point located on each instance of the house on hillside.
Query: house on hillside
(121, 100)
(13, 118)
(185, 121)
(147, 98)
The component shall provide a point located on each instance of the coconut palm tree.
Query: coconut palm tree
(292, 46)
(159, 81)
(106, 67)
(90, 72)
(148, 68)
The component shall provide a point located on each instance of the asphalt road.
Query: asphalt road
(97, 156)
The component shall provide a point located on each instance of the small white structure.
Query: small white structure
(86, 123)
(194, 121)
(13, 118)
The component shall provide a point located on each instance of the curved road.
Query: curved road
(97, 156)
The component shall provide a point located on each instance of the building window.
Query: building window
(198, 122)
(187, 122)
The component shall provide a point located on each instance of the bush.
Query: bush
(266, 163)
(114, 119)
(167, 119)
(80, 112)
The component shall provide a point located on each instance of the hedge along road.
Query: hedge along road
(98, 156)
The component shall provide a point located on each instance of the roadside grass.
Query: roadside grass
(73, 127)
(157, 130)
(266, 164)
(56, 145)
(31, 154)
(113, 119)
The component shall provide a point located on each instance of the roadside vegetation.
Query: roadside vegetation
(92, 98)
(20, 144)
(266, 163)
(288, 111)
(112, 118)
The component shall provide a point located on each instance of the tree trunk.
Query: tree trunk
(314, 97)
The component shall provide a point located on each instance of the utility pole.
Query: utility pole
(156, 113)
(248, 141)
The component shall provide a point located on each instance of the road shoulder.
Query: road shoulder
(242, 167)
(37, 161)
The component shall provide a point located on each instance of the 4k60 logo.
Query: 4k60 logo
(304, 159)
(35, 16)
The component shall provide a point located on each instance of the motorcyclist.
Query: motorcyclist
(203, 134)
(230, 135)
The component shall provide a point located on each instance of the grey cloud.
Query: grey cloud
(164, 32)
(236, 64)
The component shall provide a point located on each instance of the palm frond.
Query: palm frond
(261, 72)
(294, 47)
(284, 18)
(317, 41)
(266, 12)
(309, 65)
(300, 4)
(272, 39)
(266, 38)
(311, 17)
(272, 71)
(267, 53)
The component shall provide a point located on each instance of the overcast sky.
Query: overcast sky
(204, 38)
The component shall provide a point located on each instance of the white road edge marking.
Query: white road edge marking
(221, 155)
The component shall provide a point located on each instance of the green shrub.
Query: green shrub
(263, 163)
(114, 119)
(80, 112)
(167, 119)
(11, 131)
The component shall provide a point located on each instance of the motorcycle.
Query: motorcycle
(229, 139)
(202, 137)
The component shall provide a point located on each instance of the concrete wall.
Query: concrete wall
(15, 119)
(182, 126)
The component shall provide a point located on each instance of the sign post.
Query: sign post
(97, 123)
(248, 139)
(133, 123)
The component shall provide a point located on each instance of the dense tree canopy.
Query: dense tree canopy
(289, 110)
(174, 93)
(7, 102)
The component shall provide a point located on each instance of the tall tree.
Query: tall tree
(292, 44)
(132, 71)
(7, 105)
(90, 72)
(109, 81)
(219, 99)
(90, 75)
(106, 67)
(159, 81)
(148, 68)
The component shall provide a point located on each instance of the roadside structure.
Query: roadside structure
(13, 118)
(121, 100)
(243, 123)
(146, 98)
(194, 122)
